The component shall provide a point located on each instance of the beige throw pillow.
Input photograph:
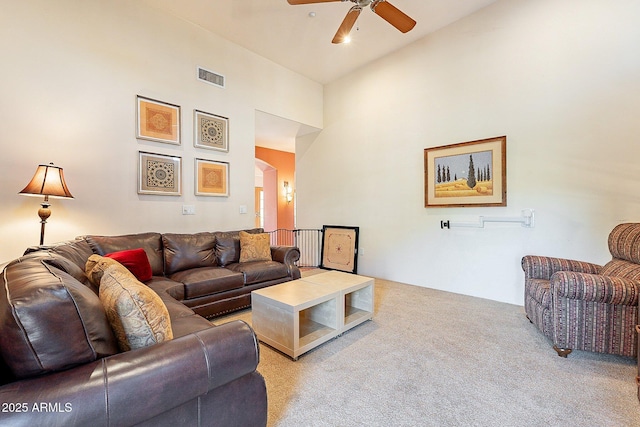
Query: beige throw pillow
(137, 315)
(254, 247)
(96, 266)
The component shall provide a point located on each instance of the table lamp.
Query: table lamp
(47, 181)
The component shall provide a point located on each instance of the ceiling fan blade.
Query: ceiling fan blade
(347, 25)
(393, 15)
(310, 1)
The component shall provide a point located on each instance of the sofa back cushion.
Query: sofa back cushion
(228, 245)
(69, 257)
(254, 247)
(186, 251)
(97, 265)
(624, 242)
(49, 321)
(621, 268)
(150, 242)
(136, 261)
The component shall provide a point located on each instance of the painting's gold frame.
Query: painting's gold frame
(212, 178)
(157, 121)
(443, 190)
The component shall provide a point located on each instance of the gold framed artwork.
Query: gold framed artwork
(212, 178)
(211, 131)
(467, 174)
(339, 248)
(159, 174)
(157, 121)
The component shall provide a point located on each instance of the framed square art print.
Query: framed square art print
(159, 174)
(211, 131)
(157, 121)
(212, 178)
(340, 248)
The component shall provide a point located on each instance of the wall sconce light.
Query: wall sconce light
(288, 192)
(47, 181)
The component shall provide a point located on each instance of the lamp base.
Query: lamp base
(44, 213)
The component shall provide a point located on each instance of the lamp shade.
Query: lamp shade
(47, 181)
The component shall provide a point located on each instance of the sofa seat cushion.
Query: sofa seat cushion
(138, 317)
(163, 285)
(260, 271)
(207, 280)
(539, 290)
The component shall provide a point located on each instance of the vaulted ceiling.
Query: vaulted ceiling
(299, 38)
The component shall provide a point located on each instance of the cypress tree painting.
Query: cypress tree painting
(471, 177)
(466, 174)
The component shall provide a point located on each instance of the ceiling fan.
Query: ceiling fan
(382, 8)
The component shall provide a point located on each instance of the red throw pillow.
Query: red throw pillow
(136, 261)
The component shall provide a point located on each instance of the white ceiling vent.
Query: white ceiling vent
(210, 77)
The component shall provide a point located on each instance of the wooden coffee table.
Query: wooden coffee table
(297, 316)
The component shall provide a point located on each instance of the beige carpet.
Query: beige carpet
(433, 358)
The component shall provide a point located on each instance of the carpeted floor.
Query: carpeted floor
(433, 358)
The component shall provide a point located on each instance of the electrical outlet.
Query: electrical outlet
(188, 210)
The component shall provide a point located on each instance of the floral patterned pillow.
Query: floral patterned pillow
(137, 315)
(254, 247)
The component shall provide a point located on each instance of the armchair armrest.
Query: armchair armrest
(128, 388)
(595, 288)
(542, 267)
(288, 255)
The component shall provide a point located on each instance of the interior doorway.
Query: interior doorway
(275, 148)
(266, 194)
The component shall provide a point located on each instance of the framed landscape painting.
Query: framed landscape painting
(212, 178)
(159, 174)
(466, 174)
(157, 121)
(340, 248)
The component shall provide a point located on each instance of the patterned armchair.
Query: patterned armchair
(584, 306)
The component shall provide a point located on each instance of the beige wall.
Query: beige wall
(70, 74)
(560, 78)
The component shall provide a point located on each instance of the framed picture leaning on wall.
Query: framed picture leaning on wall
(340, 248)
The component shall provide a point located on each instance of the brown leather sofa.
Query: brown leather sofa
(59, 360)
(202, 270)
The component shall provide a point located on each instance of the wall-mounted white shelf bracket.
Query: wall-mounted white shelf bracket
(526, 220)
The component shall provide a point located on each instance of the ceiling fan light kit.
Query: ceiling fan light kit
(382, 8)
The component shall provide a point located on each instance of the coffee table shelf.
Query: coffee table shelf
(297, 316)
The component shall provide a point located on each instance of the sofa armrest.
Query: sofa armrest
(542, 267)
(128, 388)
(288, 255)
(595, 288)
